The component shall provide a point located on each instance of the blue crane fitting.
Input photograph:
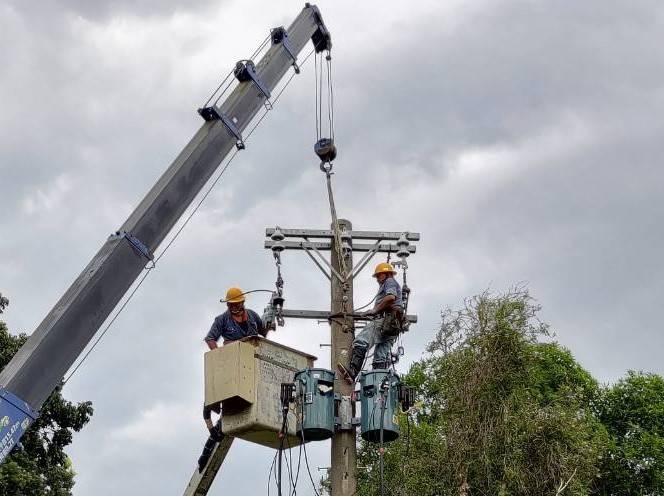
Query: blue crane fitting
(314, 398)
(379, 395)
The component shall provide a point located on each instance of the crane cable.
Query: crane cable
(184, 224)
(326, 150)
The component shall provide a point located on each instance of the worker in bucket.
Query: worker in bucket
(236, 323)
(382, 331)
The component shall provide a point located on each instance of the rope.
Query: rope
(177, 233)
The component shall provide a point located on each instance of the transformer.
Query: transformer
(379, 396)
(314, 398)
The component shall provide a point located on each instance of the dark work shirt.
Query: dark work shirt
(226, 327)
(390, 287)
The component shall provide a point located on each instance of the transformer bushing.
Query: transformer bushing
(314, 397)
(379, 395)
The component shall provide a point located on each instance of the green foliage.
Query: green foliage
(633, 413)
(3, 303)
(500, 412)
(40, 466)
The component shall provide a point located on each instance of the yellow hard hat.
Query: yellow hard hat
(384, 267)
(234, 295)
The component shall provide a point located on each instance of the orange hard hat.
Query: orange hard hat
(234, 295)
(384, 267)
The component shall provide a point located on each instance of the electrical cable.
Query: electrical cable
(306, 459)
(177, 233)
(274, 460)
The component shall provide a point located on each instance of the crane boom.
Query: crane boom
(39, 366)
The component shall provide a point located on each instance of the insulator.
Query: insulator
(278, 246)
(325, 149)
(277, 235)
(403, 242)
(403, 252)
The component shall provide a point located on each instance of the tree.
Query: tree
(39, 465)
(501, 410)
(633, 412)
(3, 303)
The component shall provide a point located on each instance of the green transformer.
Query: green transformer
(379, 396)
(314, 398)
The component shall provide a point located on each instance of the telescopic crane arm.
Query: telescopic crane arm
(39, 366)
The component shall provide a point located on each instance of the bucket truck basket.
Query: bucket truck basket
(245, 376)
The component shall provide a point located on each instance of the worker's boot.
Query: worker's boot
(356, 360)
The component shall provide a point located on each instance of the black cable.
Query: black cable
(297, 474)
(290, 457)
(248, 292)
(306, 459)
(274, 460)
(382, 450)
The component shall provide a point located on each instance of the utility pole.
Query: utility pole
(342, 320)
(344, 452)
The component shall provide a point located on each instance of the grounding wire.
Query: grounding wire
(177, 233)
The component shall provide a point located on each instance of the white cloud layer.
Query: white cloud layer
(522, 139)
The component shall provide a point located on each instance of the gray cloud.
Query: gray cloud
(522, 140)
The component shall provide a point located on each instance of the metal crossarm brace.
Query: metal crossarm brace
(40, 364)
(365, 260)
(308, 245)
(327, 275)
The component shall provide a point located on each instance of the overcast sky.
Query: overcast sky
(522, 139)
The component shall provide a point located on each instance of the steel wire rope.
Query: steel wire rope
(184, 224)
(330, 94)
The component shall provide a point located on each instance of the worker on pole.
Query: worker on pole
(385, 327)
(236, 323)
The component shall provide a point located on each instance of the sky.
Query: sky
(522, 139)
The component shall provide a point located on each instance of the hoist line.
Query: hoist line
(177, 234)
(330, 94)
(316, 96)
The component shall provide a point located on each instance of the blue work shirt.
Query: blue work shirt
(226, 327)
(390, 287)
